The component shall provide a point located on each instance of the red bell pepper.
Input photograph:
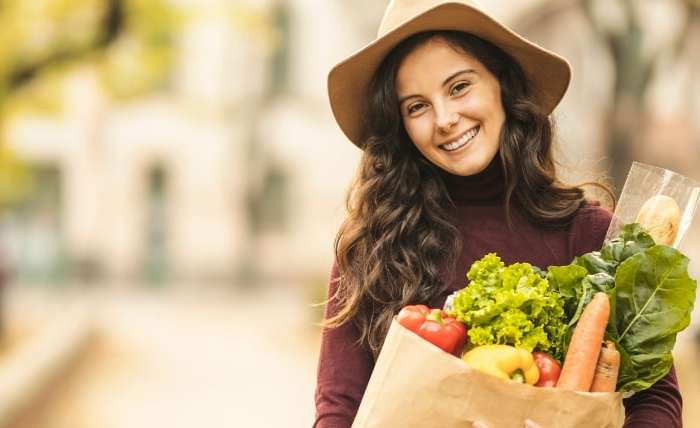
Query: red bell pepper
(435, 326)
(549, 369)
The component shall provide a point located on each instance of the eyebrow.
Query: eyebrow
(450, 77)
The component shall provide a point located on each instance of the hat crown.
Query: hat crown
(401, 11)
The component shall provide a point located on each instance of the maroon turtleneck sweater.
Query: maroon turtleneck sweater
(344, 368)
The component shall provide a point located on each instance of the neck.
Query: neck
(487, 186)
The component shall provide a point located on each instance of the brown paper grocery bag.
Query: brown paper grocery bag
(416, 384)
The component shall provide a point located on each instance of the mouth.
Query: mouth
(461, 141)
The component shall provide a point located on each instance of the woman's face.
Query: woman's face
(451, 107)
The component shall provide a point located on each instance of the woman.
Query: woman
(451, 110)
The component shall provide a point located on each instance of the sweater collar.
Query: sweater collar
(486, 186)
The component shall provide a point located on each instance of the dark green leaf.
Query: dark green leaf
(593, 262)
(566, 279)
(654, 299)
(632, 239)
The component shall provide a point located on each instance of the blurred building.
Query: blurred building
(237, 171)
(232, 173)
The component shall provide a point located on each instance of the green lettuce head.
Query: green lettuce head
(512, 305)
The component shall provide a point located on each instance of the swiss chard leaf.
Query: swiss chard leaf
(654, 296)
(577, 287)
(567, 281)
(594, 262)
(632, 239)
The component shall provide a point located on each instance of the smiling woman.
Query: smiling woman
(457, 162)
(453, 114)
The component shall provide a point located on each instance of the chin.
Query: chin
(467, 170)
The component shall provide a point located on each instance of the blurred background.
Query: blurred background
(172, 179)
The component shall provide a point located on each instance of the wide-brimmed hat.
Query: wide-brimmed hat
(547, 73)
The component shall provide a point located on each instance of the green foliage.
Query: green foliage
(651, 298)
(43, 40)
(32, 33)
(511, 305)
(655, 296)
(141, 57)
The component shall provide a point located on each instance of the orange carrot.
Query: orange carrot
(582, 355)
(605, 378)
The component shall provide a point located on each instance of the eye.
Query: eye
(415, 108)
(459, 88)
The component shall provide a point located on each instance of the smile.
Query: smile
(461, 141)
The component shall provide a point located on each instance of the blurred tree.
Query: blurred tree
(141, 55)
(634, 64)
(39, 34)
(129, 41)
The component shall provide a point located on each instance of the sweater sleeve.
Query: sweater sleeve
(589, 228)
(344, 369)
(661, 405)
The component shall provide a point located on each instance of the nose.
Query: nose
(445, 120)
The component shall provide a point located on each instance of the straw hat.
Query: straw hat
(548, 74)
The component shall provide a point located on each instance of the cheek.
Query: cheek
(485, 104)
(481, 106)
(499, 115)
(418, 130)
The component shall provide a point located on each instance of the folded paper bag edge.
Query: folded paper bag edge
(379, 374)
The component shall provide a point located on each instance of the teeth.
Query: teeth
(464, 139)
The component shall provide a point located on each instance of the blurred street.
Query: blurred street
(213, 360)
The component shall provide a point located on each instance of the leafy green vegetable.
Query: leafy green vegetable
(651, 298)
(632, 239)
(577, 287)
(511, 305)
(655, 296)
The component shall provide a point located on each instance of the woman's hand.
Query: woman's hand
(528, 424)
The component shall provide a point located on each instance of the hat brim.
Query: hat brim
(548, 74)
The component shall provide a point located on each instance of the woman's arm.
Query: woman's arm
(659, 406)
(344, 369)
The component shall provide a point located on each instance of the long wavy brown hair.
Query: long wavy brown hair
(399, 241)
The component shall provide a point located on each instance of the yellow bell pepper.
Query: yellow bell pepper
(505, 362)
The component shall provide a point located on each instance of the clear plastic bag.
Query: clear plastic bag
(648, 198)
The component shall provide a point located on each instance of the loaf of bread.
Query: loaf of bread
(660, 216)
